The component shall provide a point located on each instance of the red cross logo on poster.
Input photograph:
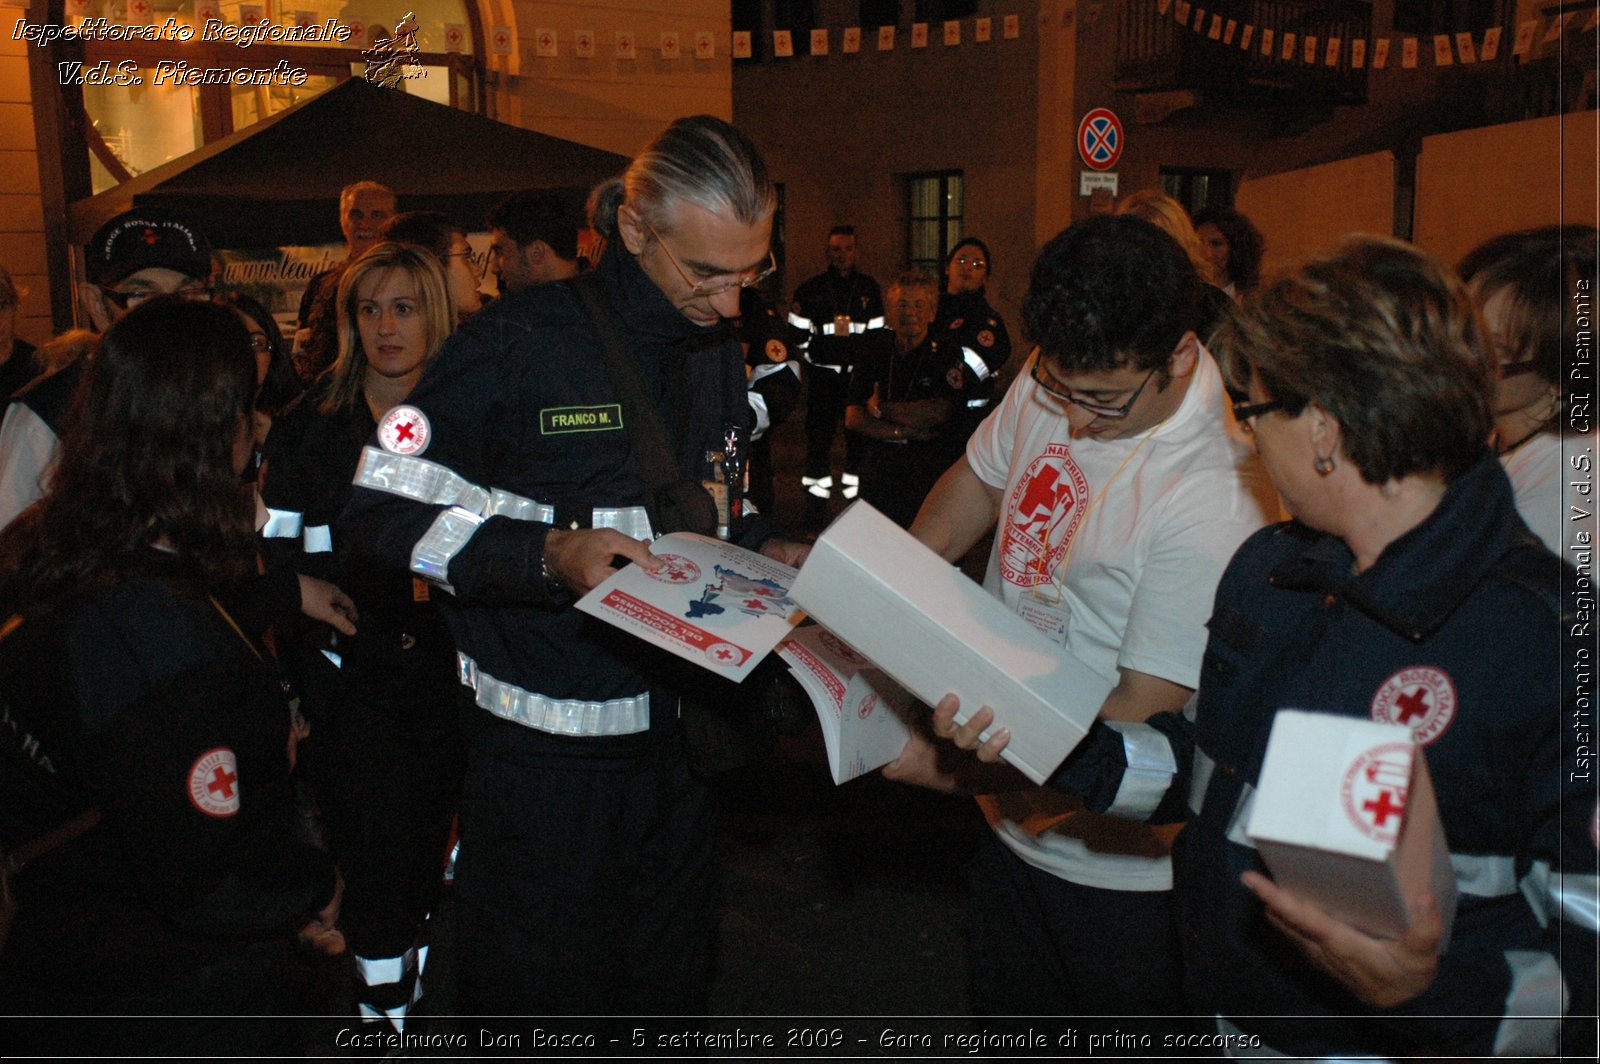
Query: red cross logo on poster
(585, 44)
(1100, 139)
(139, 9)
(679, 570)
(868, 704)
(454, 38)
(724, 654)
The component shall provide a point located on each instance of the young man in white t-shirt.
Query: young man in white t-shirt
(1117, 497)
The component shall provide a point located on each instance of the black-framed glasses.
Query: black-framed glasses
(1243, 412)
(1043, 378)
(260, 342)
(126, 301)
(715, 286)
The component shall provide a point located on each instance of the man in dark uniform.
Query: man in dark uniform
(508, 479)
(832, 312)
(906, 395)
(774, 385)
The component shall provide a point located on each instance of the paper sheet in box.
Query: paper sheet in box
(1344, 814)
(934, 631)
(863, 713)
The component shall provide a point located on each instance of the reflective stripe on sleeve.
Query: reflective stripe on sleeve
(758, 403)
(975, 404)
(1571, 898)
(977, 365)
(1534, 1006)
(872, 323)
(1241, 817)
(629, 520)
(1150, 769)
(419, 479)
(1199, 779)
(798, 322)
(768, 369)
(282, 524)
(318, 540)
(376, 971)
(618, 716)
(1484, 875)
(450, 531)
(504, 503)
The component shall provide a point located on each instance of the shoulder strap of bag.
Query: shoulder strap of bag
(647, 436)
(37, 847)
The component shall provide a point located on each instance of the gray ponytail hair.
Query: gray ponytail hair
(700, 160)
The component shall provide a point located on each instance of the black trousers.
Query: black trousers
(587, 878)
(1042, 946)
(826, 391)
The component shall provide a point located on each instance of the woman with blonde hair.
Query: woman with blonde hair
(383, 756)
(1167, 214)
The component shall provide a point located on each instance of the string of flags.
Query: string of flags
(702, 44)
(1307, 49)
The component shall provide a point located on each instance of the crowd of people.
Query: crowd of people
(291, 635)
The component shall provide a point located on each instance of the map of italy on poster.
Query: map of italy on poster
(720, 606)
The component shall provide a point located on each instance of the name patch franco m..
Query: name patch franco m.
(559, 419)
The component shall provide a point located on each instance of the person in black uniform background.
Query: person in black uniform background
(774, 385)
(135, 687)
(831, 313)
(386, 756)
(967, 322)
(586, 881)
(905, 399)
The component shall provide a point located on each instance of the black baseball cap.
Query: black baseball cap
(139, 239)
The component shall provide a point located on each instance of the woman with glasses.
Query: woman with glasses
(448, 242)
(383, 754)
(1406, 591)
(1527, 286)
(146, 722)
(968, 322)
(277, 384)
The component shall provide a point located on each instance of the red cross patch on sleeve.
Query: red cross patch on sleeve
(214, 783)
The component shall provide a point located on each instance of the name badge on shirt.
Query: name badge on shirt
(1048, 617)
(553, 421)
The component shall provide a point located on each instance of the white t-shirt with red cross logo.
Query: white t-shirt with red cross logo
(1144, 527)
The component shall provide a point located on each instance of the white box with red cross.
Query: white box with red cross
(1344, 815)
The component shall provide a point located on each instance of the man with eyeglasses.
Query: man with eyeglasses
(132, 258)
(831, 314)
(1116, 497)
(513, 480)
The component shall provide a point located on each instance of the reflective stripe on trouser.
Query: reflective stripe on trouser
(390, 986)
(849, 485)
(821, 487)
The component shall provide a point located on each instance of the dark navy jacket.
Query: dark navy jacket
(1457, 631)
(524, 431)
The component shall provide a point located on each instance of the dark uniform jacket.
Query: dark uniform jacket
(1456, 631)
(831, 312)
(139, 700)
(523, 431)
(967, 322)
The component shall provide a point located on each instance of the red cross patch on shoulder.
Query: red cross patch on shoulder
(775, 350)
(957, 323)
(213, 783)
(404, 430)
(985, 338)
(955, 378)
(1421, 697)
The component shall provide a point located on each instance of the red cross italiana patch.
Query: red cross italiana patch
(404, 430)
(214, 783)
(1421, 697)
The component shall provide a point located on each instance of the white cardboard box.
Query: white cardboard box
(1344, 815)
(934, 631)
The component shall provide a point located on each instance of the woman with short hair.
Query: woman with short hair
(1405, 591)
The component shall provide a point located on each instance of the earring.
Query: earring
(1323, 464)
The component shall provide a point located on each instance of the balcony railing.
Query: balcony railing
(1154, 53)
